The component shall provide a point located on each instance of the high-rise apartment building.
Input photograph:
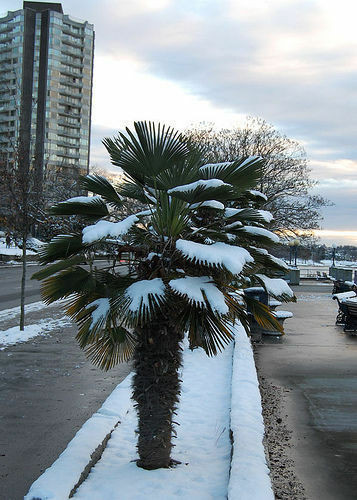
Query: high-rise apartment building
(46, 72)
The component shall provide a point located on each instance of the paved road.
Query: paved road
(317, 364)
(47, 391)
(10, 279)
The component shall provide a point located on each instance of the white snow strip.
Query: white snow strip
(192, 288)
(139, 292)
(230, 212)
(231, 257)
(209, 203)
(260, 231)
(234, 224)
(257, 193)
(206, 184)
(14, 335)
(82, 199)
(216, 165)
(58, 480)
(262, 251)
(103, 229)
(267, 216)
(34, 306)
(278, 261)
(282, 314)
(275, 286)
(101, 310)
(249, 477)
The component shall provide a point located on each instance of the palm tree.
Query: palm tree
(180, 266)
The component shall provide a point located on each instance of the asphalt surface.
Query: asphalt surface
(316, 364)
(47, 391)
(10, 285)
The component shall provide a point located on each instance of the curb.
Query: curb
(250, 475)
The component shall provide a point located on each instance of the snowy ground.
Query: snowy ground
(13, 250)
(203, 440)
(38, 326)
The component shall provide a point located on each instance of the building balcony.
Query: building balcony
(72, 43)
(70, 92)
(68, 124)
(66, 70)
(70, 101)
(67, 133)
(66, 50)
(68, 155)
(66, 144)
(71, 83)
(75, 34)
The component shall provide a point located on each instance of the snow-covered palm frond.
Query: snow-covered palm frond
(104, 229)
(230, 257)
(276, 287)
(145, 299)
(243, 173)
(89, 207)
(202, 291)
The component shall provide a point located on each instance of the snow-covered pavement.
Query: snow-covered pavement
(203, 444)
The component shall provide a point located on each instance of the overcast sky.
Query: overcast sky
(293, 63)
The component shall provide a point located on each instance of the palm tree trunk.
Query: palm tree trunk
(156, 391)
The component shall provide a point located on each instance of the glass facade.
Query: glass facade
(64, 47)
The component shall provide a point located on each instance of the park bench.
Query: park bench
(351, 315)
(342, 309)
(258, 293)
(340, 286)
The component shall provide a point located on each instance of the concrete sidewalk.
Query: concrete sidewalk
(316, 364)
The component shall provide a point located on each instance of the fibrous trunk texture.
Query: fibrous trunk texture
(156, 391)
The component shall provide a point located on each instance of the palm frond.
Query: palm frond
(51, 269)
(148, 151)
(100, 185)
(243, 173)
(114, 345)
(70, 281)
(92, 209)
(263, 315)
(62, 246)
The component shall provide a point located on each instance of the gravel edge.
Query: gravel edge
(286, 485)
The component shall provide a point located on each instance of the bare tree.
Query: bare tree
(285, 177)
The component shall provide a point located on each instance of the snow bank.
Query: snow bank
(249, 478)
(58, 480)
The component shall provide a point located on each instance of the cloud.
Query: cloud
(293, 62)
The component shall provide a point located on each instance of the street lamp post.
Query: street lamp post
(296, 243)
(291, 244)
(333, 254)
